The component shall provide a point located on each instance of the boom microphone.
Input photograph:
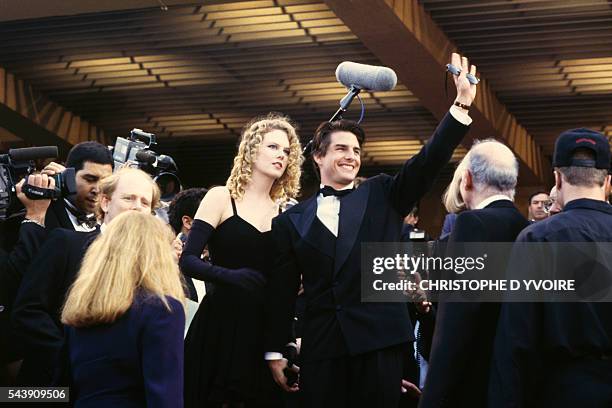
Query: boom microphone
(33, 153)
(369, 77)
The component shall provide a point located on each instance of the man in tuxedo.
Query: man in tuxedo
(351, 351)
(559, 354)
(463, 336)
(12, 265)
(37, 309)
(92, 162)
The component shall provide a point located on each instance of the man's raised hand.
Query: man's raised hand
(466, 91)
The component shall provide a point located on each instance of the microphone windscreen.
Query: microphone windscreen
(370, 77)
(33, 153)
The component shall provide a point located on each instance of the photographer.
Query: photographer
(12, 265)
(92, 162)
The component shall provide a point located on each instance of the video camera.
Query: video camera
(19, 163)
(136, 152)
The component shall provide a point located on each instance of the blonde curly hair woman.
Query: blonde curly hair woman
(223, 349)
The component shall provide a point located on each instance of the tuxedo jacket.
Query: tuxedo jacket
(12, 267)
(335, 321)
(21, 243)
(461, 352)
(56, 216)
(37, 309)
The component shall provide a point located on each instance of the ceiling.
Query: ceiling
(550, 62)
(194, 74)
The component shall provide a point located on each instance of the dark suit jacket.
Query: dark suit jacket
(136, 361)
(335, 321)
(21, 243)
(559, 354)
(12, 267)
(463, 338)
(56, 216)
(37, 309)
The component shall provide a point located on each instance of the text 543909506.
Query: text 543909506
(34, 394)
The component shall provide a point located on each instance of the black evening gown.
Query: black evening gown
(224, 355)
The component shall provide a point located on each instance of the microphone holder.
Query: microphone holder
(346, 102)
(344, 105)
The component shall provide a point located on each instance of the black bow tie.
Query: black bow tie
(330, 191)
(89, 220)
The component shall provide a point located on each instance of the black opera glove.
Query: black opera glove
(193, 266)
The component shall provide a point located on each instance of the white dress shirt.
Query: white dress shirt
(328, 210)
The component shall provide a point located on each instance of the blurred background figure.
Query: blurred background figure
(537, 206)
(359, 180)
(125, 319)
(553, 207)
(181, 211)
(411, 230)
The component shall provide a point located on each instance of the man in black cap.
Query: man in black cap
(560, 354)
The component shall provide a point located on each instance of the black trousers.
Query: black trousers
(371, 379)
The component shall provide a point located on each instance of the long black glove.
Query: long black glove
(193, 266)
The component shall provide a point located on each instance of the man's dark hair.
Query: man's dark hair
(584, 176)
(184, 203)
(535, 194)
(322, 138)
(88, 152)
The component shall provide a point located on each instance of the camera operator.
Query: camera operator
(92, 162)
(37, 309)
(12, 265)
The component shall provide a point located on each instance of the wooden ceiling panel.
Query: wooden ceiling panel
(197, 72)
(548, 60)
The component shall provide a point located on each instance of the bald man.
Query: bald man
(463, 338)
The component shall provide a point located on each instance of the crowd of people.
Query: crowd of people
(250, 299)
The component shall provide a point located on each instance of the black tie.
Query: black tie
(89, 220)
(330, 191)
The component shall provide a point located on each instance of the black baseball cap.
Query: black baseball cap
(572, 139)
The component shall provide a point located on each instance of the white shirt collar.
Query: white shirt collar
(490, 199)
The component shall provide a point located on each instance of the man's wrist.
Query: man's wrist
(463, 101)
(463, 107)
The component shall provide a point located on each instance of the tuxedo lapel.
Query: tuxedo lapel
(60, 217)
(352, 210)
(303, 222)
